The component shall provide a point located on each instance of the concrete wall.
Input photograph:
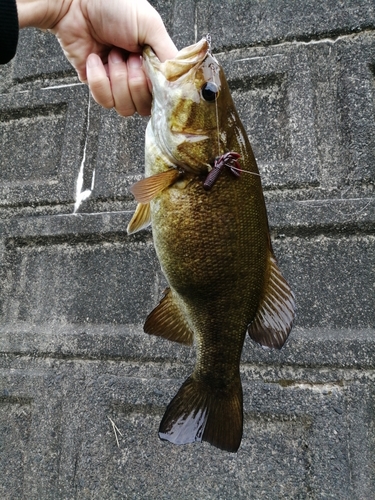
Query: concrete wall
(75, 289)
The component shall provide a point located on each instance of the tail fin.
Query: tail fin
(200, 412)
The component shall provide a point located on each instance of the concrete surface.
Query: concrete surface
(75, 289)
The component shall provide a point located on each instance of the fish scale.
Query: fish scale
(213, 245)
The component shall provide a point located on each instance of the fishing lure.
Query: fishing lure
(229, 160)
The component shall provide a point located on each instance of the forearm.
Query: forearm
(42, 14)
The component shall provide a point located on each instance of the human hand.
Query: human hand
(103, 40)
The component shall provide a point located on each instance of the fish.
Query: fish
(203, 196)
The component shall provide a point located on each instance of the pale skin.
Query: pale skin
(103, 40)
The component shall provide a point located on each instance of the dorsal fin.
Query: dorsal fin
(146, 189)
(275, 315)
(141, 218)
(167, 321)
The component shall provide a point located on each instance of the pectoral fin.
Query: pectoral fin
(167, 321)
(141, 218)
(146, 189)
(274, 318)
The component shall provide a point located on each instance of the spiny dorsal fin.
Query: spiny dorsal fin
(275, 315)
(146, 189)
(167, 321)
(141, 218)
(200, 412)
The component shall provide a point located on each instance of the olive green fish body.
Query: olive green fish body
(213, 246)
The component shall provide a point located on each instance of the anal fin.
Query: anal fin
(141, 218)
(167, 321)
(273, 321)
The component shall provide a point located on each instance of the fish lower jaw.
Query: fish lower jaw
(195, 137)
(182, 136)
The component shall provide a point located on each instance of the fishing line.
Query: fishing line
(245, 171)
(217, 128)
(213, 72)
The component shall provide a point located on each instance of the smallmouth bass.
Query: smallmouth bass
(203, 195)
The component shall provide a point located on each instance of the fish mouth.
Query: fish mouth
(185, 60)
(194, 52)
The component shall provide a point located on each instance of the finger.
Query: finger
(161, 43)
(118, 75)
(138, 85)
(99, 82)
(82, 75)
(153, 32)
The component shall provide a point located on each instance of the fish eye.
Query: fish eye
(210, 91)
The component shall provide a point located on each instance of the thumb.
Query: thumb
(153, 32)
(161, 44)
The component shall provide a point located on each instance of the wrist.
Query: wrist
(42, 14)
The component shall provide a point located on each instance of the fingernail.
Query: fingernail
(116, 57)
(134, 61)
(93, 60)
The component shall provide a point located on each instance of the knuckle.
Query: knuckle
(118, 74)
(144, 109)
(125, 111)
(102, 94)
(137, 84)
